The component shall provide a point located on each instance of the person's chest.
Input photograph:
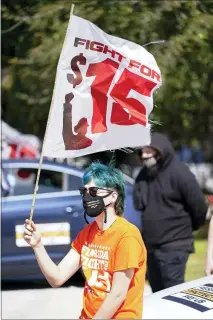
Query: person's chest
(163, 189)
(97, 259)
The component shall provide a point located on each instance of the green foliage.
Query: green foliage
(196, 264)
(31, 51)
(202, 233)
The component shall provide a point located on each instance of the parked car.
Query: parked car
(189, 300)
(58, 213)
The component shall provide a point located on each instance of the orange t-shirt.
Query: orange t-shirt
(120, 247)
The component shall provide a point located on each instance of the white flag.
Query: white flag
(103, 93)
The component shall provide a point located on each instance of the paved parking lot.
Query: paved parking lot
(45, 303)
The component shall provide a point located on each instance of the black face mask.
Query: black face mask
(94, 206)
(149, 162)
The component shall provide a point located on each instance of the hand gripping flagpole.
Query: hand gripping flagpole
(42, 151)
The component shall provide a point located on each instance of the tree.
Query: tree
(184, 102)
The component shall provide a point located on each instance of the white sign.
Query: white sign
(51, 234)
(103, 93)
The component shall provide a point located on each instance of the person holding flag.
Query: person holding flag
(110, 250)
(102, 99)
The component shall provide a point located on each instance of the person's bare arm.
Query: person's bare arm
(56, 275)
(209, 253)
(117, 295)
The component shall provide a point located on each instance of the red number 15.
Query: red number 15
(125, 111)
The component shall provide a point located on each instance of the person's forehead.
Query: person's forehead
(147, 149)
(91, 183)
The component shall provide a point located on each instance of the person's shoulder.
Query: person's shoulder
(87, 229)
(181, 165)
(130, 235)
(181, 170)
(128, 229)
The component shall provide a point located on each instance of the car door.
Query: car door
(58, 214)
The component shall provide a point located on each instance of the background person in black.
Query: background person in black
(173, 206)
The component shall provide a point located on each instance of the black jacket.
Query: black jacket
(170, 199)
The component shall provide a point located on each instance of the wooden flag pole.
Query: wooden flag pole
(42, 151)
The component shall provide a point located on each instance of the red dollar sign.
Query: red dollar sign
(80, 59)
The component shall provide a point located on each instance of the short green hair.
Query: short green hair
(106, 176)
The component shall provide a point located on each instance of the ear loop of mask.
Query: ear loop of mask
(85, 217)
(105, 215)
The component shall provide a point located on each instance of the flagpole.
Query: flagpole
(42, 151)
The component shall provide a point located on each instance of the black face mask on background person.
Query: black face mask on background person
(151, 166)
(94, 205)
(149, 162)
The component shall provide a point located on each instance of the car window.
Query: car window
(23, 181)
(50, 181)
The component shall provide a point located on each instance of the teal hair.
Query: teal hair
(107, 177)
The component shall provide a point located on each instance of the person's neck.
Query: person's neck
(111, 217)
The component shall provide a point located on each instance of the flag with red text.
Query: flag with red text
(103, 93)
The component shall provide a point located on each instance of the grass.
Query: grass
(196, 263)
